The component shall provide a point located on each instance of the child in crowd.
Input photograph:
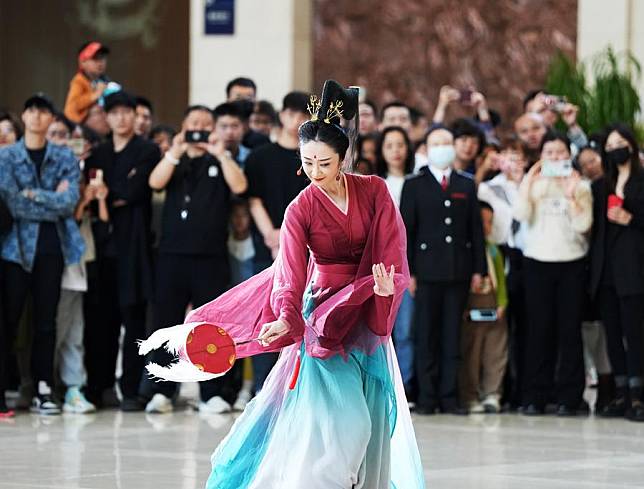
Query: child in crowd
(89, 83)
(485, 332)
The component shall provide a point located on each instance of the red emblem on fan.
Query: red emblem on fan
(210, 349)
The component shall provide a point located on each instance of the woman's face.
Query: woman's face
(513, 164)
(369, 150)
(7, 133)
(616, 141)
(320, 163)
(555, 151)
(591, 164)
(394, 150)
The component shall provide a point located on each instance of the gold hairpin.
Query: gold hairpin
(335, 109)
(314, 107)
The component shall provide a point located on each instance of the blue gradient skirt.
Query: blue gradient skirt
(339, 424)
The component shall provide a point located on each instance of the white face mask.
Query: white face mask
(441, 156)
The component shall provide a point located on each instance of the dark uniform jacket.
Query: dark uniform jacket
(444, 233)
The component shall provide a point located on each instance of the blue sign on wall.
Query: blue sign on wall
(220, 16)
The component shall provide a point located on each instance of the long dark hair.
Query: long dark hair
(610, 170)
(381, 164)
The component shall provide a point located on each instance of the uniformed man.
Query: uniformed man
(446, 253)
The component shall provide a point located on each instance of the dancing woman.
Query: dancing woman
(332, 413)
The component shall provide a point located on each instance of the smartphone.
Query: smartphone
(614, 201)
(561, 168)
(465, 96)
(483, 315)
(95, 176)
(193, 137)
(556, 103)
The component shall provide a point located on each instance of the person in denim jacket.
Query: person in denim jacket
(39, 183)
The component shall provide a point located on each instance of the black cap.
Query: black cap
(119, 98)
(41, 101)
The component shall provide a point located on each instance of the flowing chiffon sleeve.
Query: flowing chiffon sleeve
(355, 314)
(291, 270)
(273, 293)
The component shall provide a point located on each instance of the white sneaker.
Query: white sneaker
(491, 404)
(159, 404)
(476, 407)
(75, 402)
(243, 399)
(214, 405)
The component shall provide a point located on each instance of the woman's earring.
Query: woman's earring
(299, 171)
(338, 176)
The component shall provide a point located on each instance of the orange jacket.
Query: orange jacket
(80, 98)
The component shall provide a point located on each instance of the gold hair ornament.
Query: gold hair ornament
(335, 109)
(314, 107)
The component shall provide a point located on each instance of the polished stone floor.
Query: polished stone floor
(112, 450)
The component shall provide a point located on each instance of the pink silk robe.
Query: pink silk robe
(343, 247)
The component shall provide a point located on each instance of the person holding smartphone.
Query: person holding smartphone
(199, 175)
(555, 206)
(617, 267)
(485, 331)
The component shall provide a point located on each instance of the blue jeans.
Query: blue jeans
(403, 339)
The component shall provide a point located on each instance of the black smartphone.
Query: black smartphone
(193, 137)
(465, 96)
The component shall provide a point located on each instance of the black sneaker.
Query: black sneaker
(44, 404)
(635, 412)
(132, 404)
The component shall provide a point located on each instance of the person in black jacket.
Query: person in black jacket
(124, 254)
(617, 267)
(446, 253)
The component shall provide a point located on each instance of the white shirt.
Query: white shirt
(439, 174)
(501, 194)
(242, 250)
(395, 186)
(554, 234)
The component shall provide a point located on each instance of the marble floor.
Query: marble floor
(113, 450)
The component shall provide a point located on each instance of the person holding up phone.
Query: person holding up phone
(199, 175)
(555, 205)
(551, 108)
(617, 267)
(485, 331)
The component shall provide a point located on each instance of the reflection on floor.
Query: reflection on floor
(112, 450)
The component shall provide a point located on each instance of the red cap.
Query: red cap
(211, 349)
(91, 50)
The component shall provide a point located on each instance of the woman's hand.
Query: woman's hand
(619, 216)
(272, 331)
(384, 281)
(571, 185)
